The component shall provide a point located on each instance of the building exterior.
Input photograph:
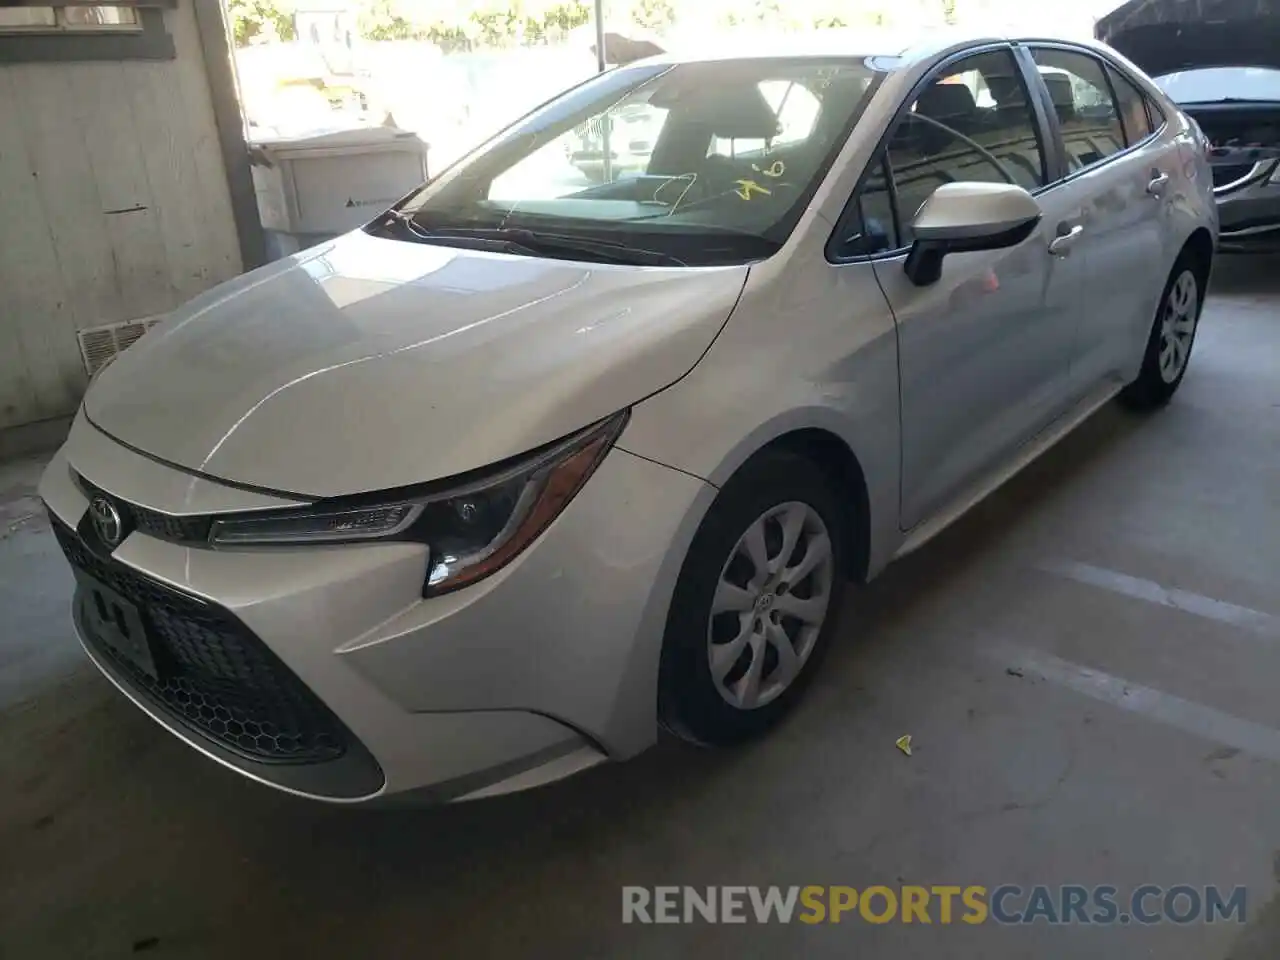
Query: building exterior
(124, 187)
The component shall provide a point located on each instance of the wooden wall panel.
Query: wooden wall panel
(207, 192)
(35, 309)
(114, 206)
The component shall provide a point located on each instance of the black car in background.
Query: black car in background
(1220, 61)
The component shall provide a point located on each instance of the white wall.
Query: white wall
(113, 206)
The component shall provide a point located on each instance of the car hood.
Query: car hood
(369, 364)
(1163, 36)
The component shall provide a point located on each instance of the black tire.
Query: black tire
(690, 704)
(1151, 389)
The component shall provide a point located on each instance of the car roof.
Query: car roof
(893, 50)
(752, 45)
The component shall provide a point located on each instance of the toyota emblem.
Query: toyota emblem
(107, 522)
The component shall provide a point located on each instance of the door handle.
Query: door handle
(1157, 184)
(1061, 245)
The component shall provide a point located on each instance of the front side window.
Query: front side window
(975, 122)
(1081, 96)
(709, 162)
(870, 226)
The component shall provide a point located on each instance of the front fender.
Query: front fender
(811, 345)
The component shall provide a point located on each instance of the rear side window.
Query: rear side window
(1133, 108)
(1087, 112)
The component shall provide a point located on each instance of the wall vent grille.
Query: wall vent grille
(100, 345)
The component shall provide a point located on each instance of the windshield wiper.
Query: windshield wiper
(416, 232)
(529, 242)
(407, 222)
(541, 241)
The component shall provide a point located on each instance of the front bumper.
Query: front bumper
(1249, 217)
(546, 667)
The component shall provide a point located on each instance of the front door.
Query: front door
(984, 353)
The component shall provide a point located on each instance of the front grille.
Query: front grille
(213, 675)
(189, 530)
(192, 530)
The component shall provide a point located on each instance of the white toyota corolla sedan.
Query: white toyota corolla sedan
(489, 490)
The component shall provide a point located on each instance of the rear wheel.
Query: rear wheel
(1173, 334)
(755, 603)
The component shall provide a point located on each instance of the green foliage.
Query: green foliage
(260, 20)
(473, 24)
(379, 20)
(468, 24)
(655, 15)
(567, 16)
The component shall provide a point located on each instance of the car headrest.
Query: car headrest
(738, 112)
(1006, 91)
(947, 102)
(1059, 88)
(1063, 97)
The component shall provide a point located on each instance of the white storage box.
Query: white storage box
(313, 188)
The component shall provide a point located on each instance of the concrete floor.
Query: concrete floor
(1161, 766)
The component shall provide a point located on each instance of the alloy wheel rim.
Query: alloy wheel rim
(770, 603)
(1178, 326)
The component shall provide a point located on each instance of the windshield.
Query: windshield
(701, 163)
(1217, 84)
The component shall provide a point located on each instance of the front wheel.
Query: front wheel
(1172, 335)
(755, 603)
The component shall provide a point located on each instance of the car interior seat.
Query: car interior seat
(1063, 97)
(953, 106)
(1016, 140)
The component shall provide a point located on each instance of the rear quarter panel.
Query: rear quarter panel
(1180, 149)
(1191, 198)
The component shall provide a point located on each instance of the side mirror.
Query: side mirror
(962, 217)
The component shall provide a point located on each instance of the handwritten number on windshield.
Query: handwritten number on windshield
(749, 188)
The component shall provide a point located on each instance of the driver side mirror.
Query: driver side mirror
(968, 216)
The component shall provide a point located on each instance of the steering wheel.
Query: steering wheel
(969, 142)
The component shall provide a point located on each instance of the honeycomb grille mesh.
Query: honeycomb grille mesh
(214, 675)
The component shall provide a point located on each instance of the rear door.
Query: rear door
(984, 353)
(1117, 170)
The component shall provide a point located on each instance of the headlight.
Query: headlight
(1275, 175)
(471, 528)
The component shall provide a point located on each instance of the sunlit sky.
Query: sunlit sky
(1050, 15)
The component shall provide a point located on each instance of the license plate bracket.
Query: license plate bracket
(116, 623)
